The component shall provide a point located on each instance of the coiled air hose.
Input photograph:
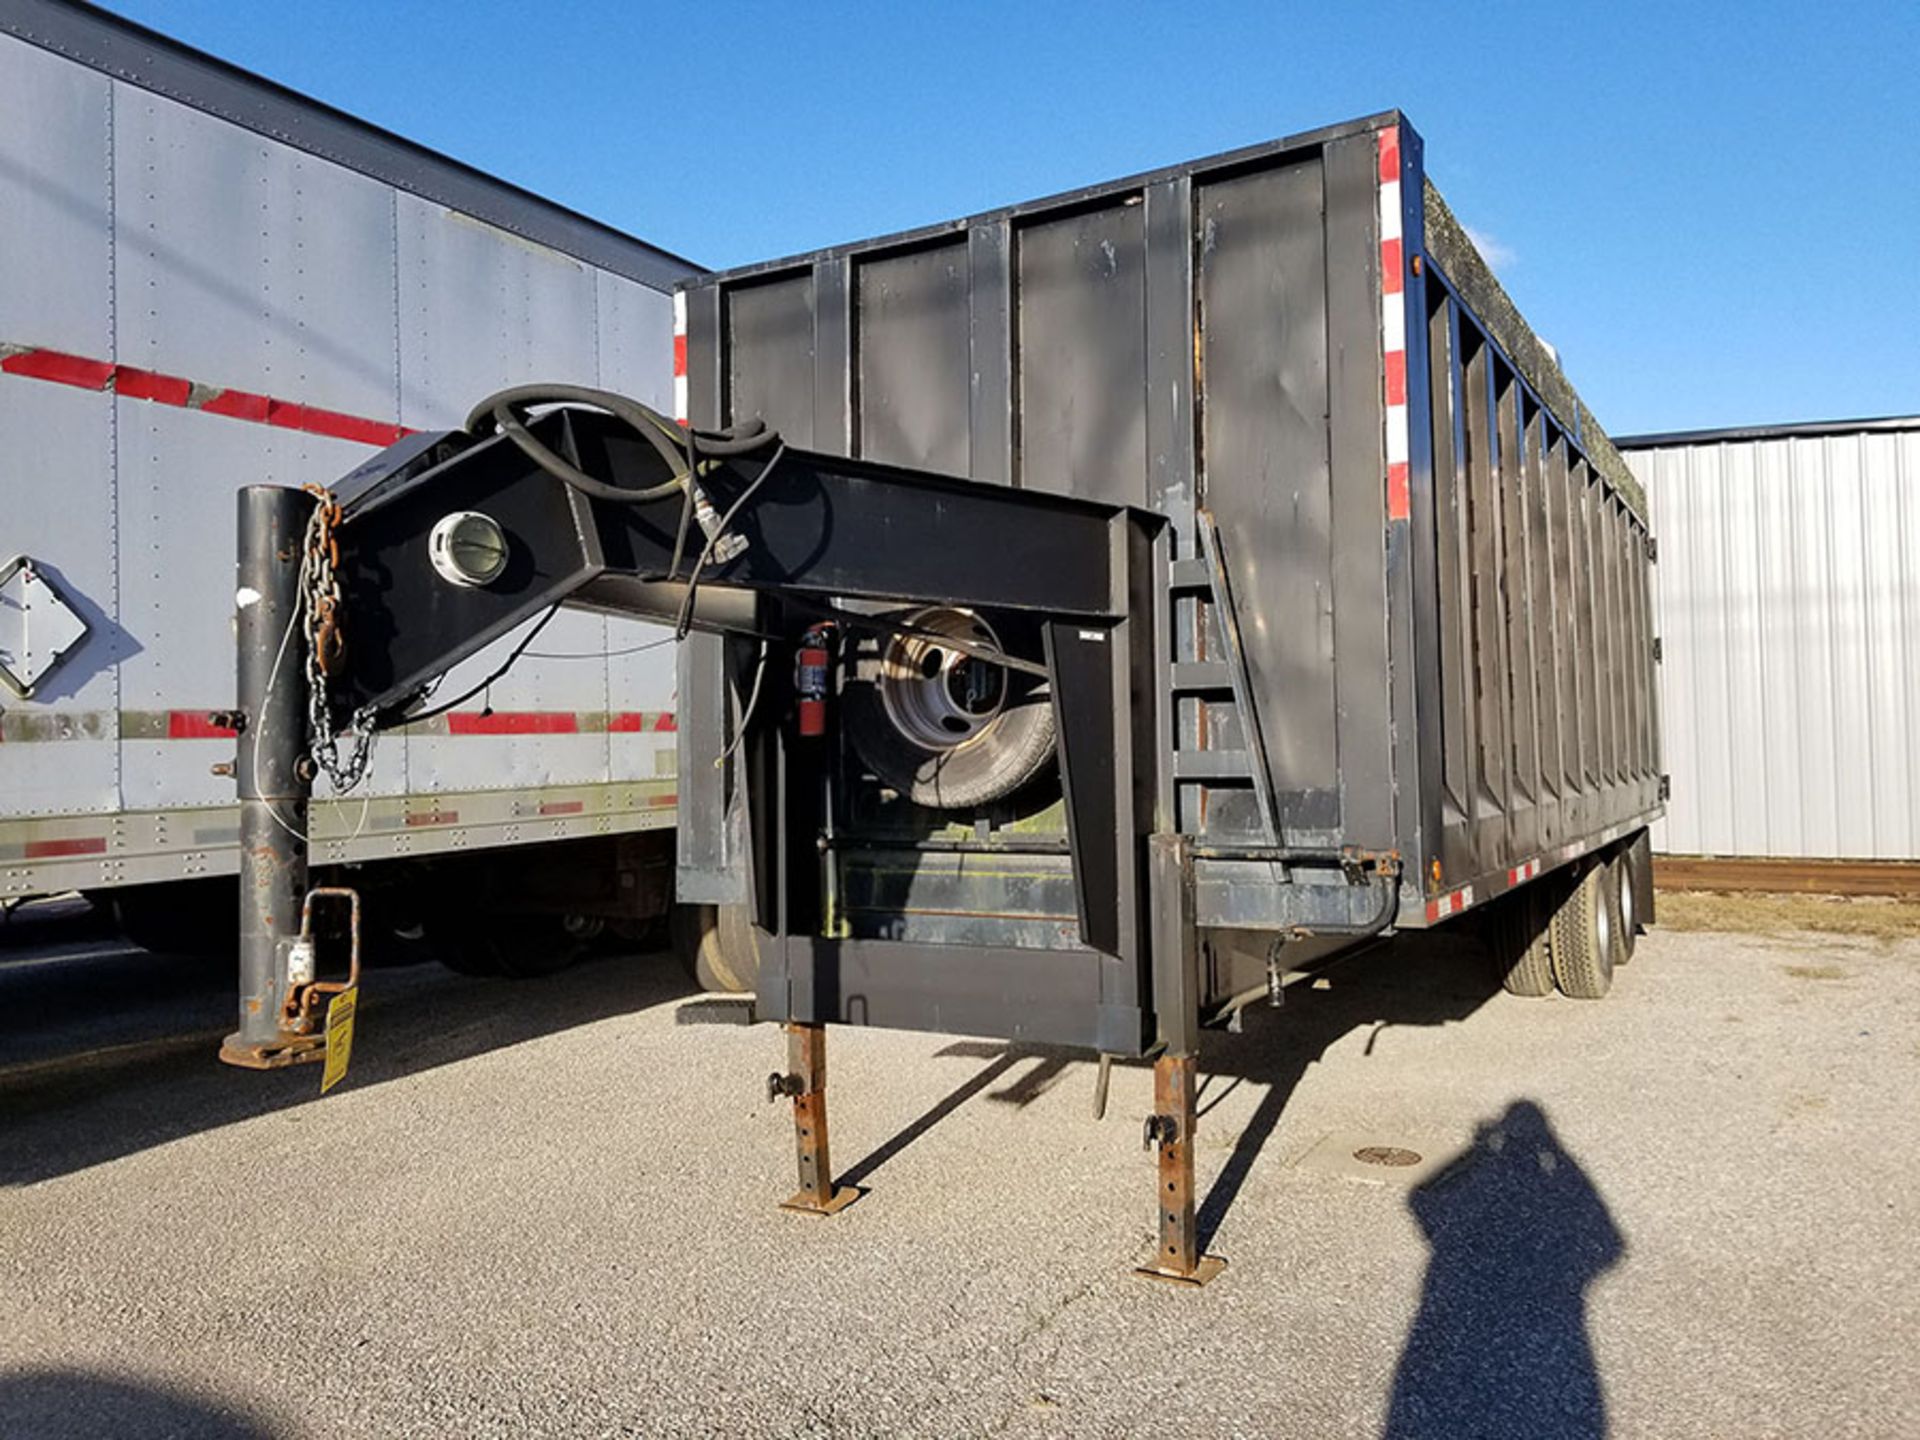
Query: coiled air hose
(681, 446)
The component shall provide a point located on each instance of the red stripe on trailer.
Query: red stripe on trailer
(1390, 153)
(163, 389)
(433, 817)
(563, 807)
(151, 385)
(513, 722)
(54, 849)
(59, 367)
(666, 723)
(239, 405)
(1391, 264)
(1396, 377)
(348, 427)
(195, 725)
(1399, 501)
(679, 354)
(626, 722)
(658, 800)
(286, 415)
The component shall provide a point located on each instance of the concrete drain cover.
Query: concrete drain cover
(1386, 1155)
(1371, 1160)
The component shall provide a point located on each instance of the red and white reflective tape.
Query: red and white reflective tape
(1393, 324)
(1441, 906)
(1522, 873)
(27, 726)
(557, 722)
(680, 410)
(31, 362)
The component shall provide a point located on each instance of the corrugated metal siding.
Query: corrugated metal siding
(1788, 595)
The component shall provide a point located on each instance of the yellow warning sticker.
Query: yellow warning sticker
(339, 1037)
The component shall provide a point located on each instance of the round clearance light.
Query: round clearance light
(468, 548)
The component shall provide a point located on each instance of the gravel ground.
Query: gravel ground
(548, 1209)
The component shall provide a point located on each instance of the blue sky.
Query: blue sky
(1706, 208)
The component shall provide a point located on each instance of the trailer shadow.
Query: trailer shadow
(65, 1112)
(1412, 980)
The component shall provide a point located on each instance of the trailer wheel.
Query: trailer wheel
(179, 917)
(1522, 943)
(717, 946)
(947, 730)
(1586, 935)
(1629, 906)
(520, 947)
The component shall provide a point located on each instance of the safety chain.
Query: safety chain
(325, 648)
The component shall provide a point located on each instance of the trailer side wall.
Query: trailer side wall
(191, 305)
(1438, 564)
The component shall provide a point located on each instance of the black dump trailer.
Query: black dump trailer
(1099, 611)
(1408, 656)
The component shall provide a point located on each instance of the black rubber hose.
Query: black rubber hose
(684, 622)
(675, 445)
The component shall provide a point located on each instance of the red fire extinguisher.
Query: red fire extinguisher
(810, 679)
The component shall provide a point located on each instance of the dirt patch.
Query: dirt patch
(1869, 916)
(1816, 972)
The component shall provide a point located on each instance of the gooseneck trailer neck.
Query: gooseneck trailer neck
(449, 542)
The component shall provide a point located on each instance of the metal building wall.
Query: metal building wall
(1788, 600)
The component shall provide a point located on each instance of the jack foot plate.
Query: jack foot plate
(1208, 1267)
(805, 1204)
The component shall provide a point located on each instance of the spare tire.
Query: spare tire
(946, 729)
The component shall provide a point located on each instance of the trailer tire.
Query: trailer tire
(1523, 933)
(520, 947)
(718, 947)
(1627, 901)
(899, 695)
(1586, 935)
(179, 917)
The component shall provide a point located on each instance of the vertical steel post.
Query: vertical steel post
(1176, 996)
(272, 772)
(807, 1084)
(1177, 1255)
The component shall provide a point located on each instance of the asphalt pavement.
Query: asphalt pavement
(548, 1208)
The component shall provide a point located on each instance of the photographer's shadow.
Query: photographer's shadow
(1500, 1345)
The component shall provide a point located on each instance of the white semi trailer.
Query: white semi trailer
(209, 281)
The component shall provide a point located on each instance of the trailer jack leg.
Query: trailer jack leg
(806, 1082)
(275, 783)
(1177, 1257)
